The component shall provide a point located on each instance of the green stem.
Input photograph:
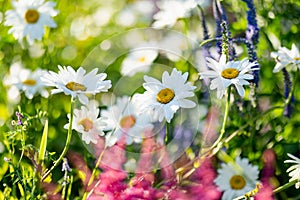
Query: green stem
(70, 188)
(222, 132)
(85, 195)
(209, 41)
(167, 133)
(23, 146)
(285, 186)
(186, 27)
(65, 184)
(68, 141)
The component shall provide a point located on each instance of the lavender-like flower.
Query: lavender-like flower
(203, 23)
(252, 35)
(65, 168)
(252, 32)
(288, 110)
(223, 30)
(218, 21)
(65, 165)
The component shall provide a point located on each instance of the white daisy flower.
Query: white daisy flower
(236, 179)
(29, 18)
(138, 61)
(86, 122)
(285, 57)
(163, 99)
(25, 80)
(294, 170)
(171, 11)
(224, 74)
(124, 120)
(77, 83)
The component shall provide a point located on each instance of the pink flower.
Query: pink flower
(203, 187)
(265, 193)
(268, 159)
(138, 193)
(173, 192)
(146, 163)
(114, 157)
(177, 194)
(110, 186)
(111, 182)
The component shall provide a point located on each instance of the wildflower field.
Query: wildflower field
(149, 99)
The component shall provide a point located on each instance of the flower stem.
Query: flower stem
(167, 133)
(23, 146)
(186, 26)
(285, 186)
(222, 132)
(70, 188)
(68, 141)
(209, 41)
(85, 195)
(64, 185)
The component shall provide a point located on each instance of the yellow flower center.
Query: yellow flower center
(230, 73)
(75, 86)
(237, 182)
(29, 82)
(87, 124)
(297, 58)
(165, 95)
(127, 121)
(142, 59)
(32, 16)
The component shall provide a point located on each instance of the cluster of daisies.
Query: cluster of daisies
(130, 117)
(160, 101)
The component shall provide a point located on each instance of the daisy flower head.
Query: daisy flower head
(138, 61)
(224, 74)
(77, 83)
(294, 170)
(124, 120)
(285, 57)
(29, 18)
(25, 80)
(87, 122)
(236, 179)
(163, 99)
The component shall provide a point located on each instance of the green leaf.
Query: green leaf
(3, 170)
(43, 143)
(21, 189)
